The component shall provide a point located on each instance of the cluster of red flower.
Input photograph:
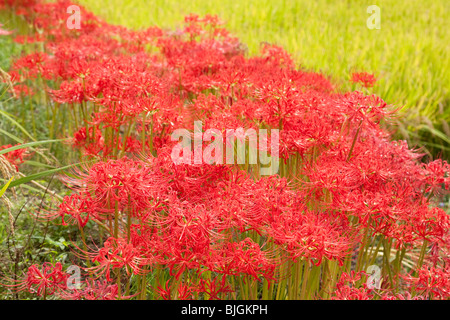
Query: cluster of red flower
(366, 79)
(15, 157)
(344, 191)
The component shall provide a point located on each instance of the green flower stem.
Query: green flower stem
(306, 271)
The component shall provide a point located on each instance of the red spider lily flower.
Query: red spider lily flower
(437, 175)
(432, 225)
(91, 145)
(399, 296)
(44, 280)
(165, 292)
(21, 90)
(214, 288)
(93, 290)
(117, 254)
(211, 288)
(346, 290)
(185, 291)
(24, 39)
(133, 145)
(246, 257)
(278, 55)
(350, 293)
(431, 282)
(31, 65)
(77, 209)
(16, 157)
(129, 182)
(366, 79)
(312, 236)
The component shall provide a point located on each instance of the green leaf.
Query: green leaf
(10, 118)
(13, 137)
(38, 164)
(5, 187)
(40, 175)
(435, 132)
(25, 186)
(30, 144)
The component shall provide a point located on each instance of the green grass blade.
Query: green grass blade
(30, 188)
(40, 175)
(435, 132)
(6, 133)
(38, 164)
(10, 118)
(30, 144)
(2, 191)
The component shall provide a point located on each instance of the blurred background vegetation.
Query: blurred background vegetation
(409, 54)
